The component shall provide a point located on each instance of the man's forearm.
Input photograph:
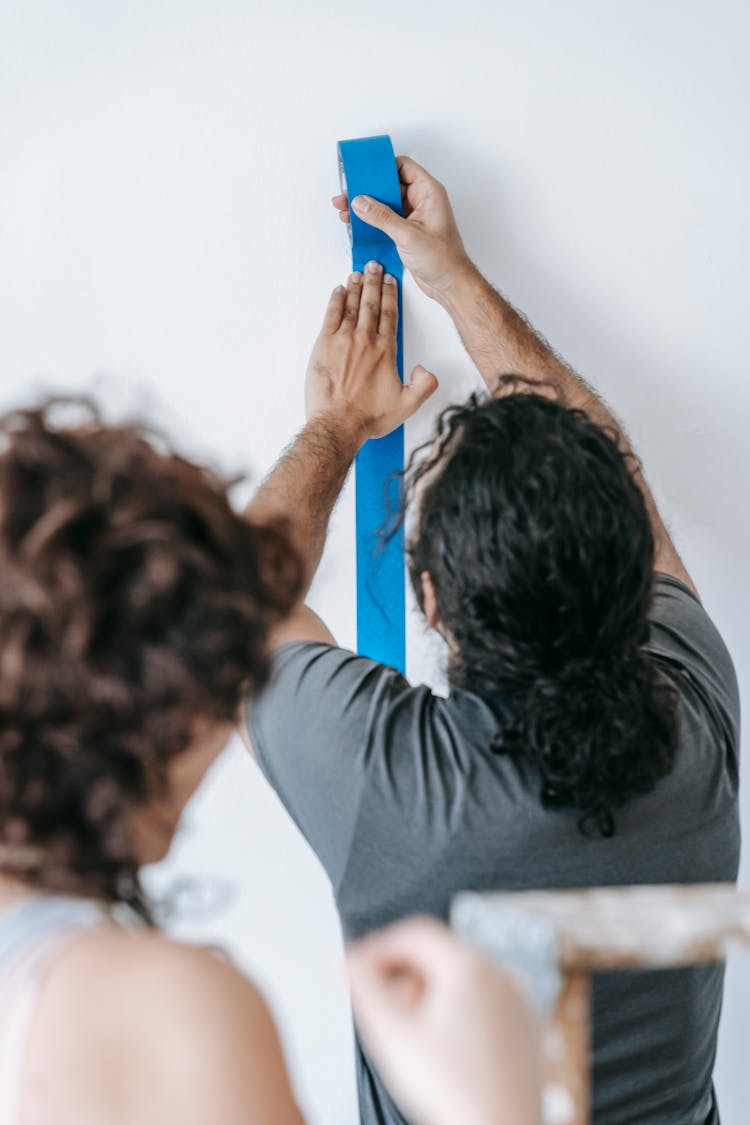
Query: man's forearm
(501, 341)
(303, 487)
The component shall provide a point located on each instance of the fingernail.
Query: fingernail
(373, 267)
(389, 279)
(361, 203)
(355, 277)
(341, 289)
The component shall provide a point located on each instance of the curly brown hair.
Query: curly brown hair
(134, 602)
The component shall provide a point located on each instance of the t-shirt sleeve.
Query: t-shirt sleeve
(686, 643)
(312, 731)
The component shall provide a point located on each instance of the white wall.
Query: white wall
(164, 174)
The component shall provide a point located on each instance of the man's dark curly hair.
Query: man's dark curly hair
(134, 603)
(540, 548)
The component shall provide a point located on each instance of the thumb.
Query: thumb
(416, 392)
(379, 215)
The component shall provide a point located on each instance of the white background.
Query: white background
(164, 175)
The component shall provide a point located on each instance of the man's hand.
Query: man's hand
(352, 378)
(427, 238)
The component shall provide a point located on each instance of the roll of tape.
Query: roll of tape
(367, 166)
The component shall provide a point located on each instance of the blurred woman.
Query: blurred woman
(134, 609)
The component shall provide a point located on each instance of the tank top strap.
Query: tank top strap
(33, 919)
(32, 932)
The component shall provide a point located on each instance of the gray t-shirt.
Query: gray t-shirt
(400, 796)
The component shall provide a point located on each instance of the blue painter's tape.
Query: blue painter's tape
(368, 167)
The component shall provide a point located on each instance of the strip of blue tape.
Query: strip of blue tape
(368, 167)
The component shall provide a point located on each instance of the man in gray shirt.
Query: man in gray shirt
(591, 732)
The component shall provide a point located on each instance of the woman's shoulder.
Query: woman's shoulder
(115, 973)
(140, 1019)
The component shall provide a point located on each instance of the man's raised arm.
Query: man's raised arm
(498, 338)
(352, 393)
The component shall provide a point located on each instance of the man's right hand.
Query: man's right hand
(427, 237)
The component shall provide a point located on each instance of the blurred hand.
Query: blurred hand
(427, 237)
(449, 1033)
(352, 377)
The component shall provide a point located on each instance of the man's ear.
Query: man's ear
(429, 600)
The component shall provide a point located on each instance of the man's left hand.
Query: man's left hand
(352, 378)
